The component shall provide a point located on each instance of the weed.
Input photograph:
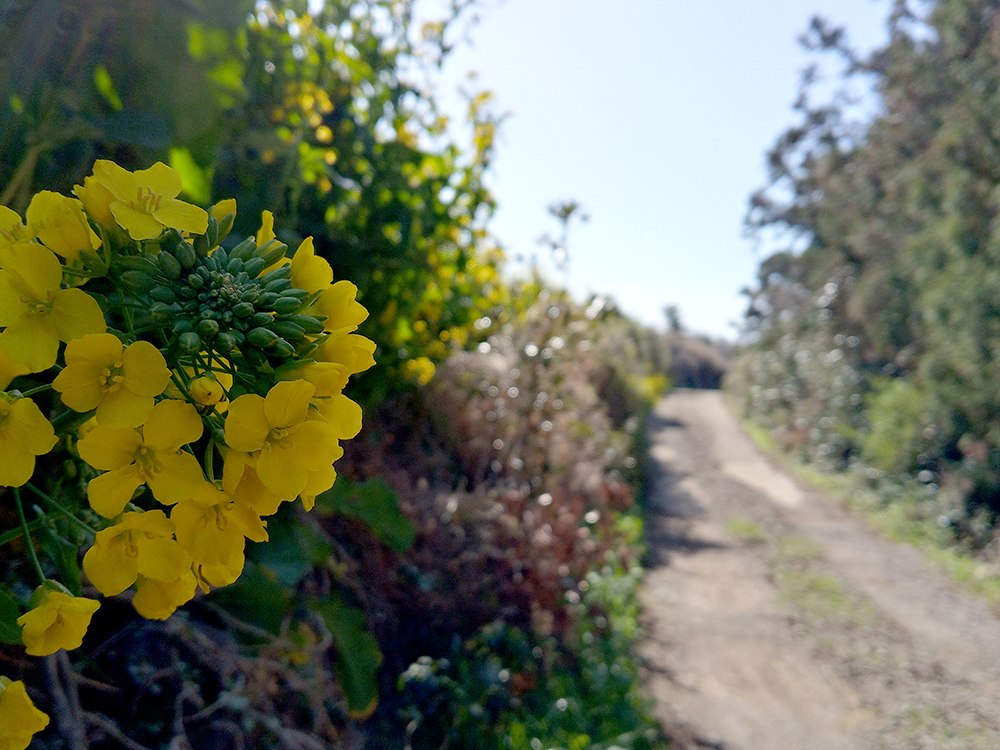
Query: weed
(745, 530)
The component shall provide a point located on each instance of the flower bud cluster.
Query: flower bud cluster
(198, 387)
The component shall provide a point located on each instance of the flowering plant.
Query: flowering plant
(195, 383)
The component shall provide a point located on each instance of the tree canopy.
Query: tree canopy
(891, 202)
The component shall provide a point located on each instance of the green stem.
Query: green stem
(27, 535)
(62, 509)
(210, 461)
(37, 389)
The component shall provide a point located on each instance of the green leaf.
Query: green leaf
(358, 655)
(10, 610)
(256, 598)
(197, 181)
(106, 87)
(293, 549)
(373, 503)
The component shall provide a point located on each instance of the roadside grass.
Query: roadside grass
(818, 598)
(922, 723)
(898, 519)
(745, 530)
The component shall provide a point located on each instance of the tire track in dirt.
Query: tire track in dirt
(776, 620)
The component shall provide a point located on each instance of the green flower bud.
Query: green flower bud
(285, 305)
(262, 337)
(208, 328)
(169, 265)
(189, 342)
(163, 294)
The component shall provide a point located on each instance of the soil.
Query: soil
(775, 619)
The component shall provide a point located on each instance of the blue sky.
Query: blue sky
(655, 115)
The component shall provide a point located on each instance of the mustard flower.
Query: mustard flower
(19, 719)
(240, 480)
(24, 434)
(60, 224)
(101, 373)
(10, 369)
(12, 229)
(288, 445)
(157, 600)
(266, 232)
(340, 308)
(96, 200)
(146, 201)
(354, 352)
(340, 413)
(337, 302)
(206, 387)
(224, 208)
(152, 456)
(213, 527)
(218, 575)
(309, 271)
(57, 621)
(139, 544)
(37, 313)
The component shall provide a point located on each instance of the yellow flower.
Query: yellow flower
(340, 308)
(12, 229)
(207, 390)
(213, 527)
(223, 209)
(354, 352)
(218, 575)
(266, 232)
(10, 370)
(157, 600)
(340, 413)
(60, 224)
(119, 382)
(39, 314)
(153, 456)
(146, 200)
(240, 480)
(288, 444)
(96, 200)
(309, 271)
(140, 544)
(19, 719)
(57, 621)
(24, 434)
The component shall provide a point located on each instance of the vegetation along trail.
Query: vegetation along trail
(776, 619)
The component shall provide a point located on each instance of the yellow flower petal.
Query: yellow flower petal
(139, 224)
(110, 492)
(19, 719)
(287, 402)
(182, 216)
(157, 600)
(121, 408)
(24, 434)
(172, 424)
(60, 224)
(309, 271)
(60, 621)
(12, 229)
(145, 369)
(247, 426)
(76, 314)
(31, 341)
(109, 447)
(179, 478)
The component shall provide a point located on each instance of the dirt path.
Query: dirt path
(776, 620)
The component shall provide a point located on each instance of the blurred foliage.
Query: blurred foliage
(328, 120)
(486, 508)
(874, 330)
